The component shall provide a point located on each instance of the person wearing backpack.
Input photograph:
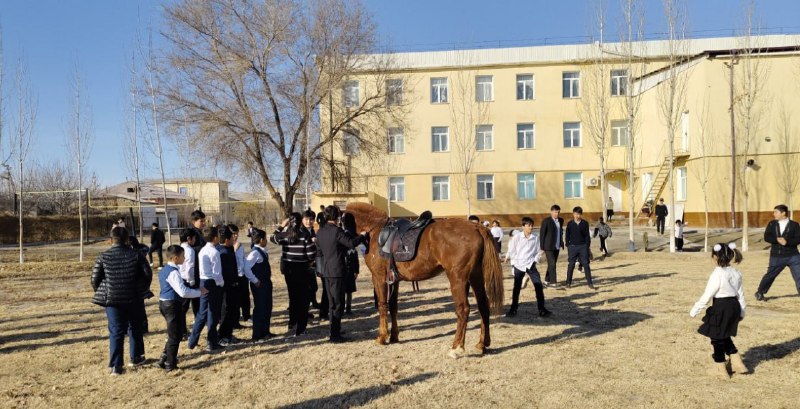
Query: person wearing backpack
(603, 230)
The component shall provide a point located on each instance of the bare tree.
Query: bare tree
(26, 119)
(248, 76)
(786, 132)
(595, 104)
(749, 107)
(632, 50)
(6, 145)
(133, 158)
(151, 87)
(467, 114)
(79, 139)
(703, 171)
(672, 91)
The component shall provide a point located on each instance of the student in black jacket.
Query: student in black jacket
(198, 224)
(661, 216)
(156, 245)
(333, 243)
(578, 241)
(230, 275)
(784, 235)
(551, 242)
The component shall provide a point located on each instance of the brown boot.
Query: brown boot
(737, 365)
(719, 370)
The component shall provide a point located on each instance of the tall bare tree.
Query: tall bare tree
(672, 91)
(749, 106)
(79, 139)
(133, 158)
(249, 76)
(632, 50)
(703, 171)
(467, 113)
(6, 145)
(788, 145)
(595, 105)
(24, 133)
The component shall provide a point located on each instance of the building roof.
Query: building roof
(148, 192)
(187, 181)
(573, 53)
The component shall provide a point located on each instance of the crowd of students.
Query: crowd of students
(210, 273)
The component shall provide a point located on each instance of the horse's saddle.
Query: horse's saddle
(399, 238)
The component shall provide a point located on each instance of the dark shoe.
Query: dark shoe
(291, 326)
(299, 334)
(310, 316)
(137, 361)
(214, 348)
(238, 326)
(323, 317)
(568, 285)
(592, 287)
(545, 313)
(229, 341)
(511, 313)
(116, 370)
(168, 368)
(760, 297)
(348, 312)
(338, 339)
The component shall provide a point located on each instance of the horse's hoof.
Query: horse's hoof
(382, 340)
(456, 353)
(394, 339)
(480, 348)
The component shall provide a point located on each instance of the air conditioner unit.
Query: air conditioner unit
(592, 182)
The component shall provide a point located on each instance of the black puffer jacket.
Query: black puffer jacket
(120, 275)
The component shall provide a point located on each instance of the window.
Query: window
(619, 83)
(573, 185)
(441, 188)
(680, 176)
(439, 139)
(526, 186)
(438, 90)
(394, 92)
(483, 138)
(350, 94)
(182, 190)
(396, 140)
(350, 145)
(397, 189)
(524, 87)
(647, 184)
(485, 187)
(619, 133)
(572, 134)
(571, 84)
(484, 90)
(525, 136)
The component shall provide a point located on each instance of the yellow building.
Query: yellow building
(534, 149)
(210, 195)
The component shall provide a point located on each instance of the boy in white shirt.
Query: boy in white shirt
(211, 303)
(524, 252)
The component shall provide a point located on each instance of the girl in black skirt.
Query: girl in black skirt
(351, 261)
(722, 319)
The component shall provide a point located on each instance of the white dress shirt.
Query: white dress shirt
(253, 258)
(497, 232)
(523, 251)
(174, 279)
(187, 268)
(210, 264)
(782, 225)
(724, 282)
(240, 259)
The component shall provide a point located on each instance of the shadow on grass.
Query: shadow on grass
(770, 352)
(62, 342)
(360, 396)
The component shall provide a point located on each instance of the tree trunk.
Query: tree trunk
(669, 228)
(745, 216)
(631, 194)
(705, 204)
(80, 212)
(21, 189)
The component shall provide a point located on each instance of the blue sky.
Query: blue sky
(51, 34)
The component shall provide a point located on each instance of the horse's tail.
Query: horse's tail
(492, 272)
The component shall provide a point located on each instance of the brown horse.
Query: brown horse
(464, 251)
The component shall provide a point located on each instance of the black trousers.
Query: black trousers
(552, 258)
(498, 244)
(609, 214)
(262, 306)
(579, 252)
(244, 298)
(158, 249)
(324, 303)
(173, 313)
(230, 309)
(776, 266)
(603, 247)
(185, 305)
(678, 244)
(312, 287)
(536, 279)
(335, 288)
(297, 285)
(660, 221)
(722, 347)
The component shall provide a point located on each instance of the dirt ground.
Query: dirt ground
(629, 344)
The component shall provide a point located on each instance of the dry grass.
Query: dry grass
(631, 344)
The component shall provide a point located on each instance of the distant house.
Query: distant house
(209, 195)
(124, 198)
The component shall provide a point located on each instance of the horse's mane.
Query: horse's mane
(368, 214)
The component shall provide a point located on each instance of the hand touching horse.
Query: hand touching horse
(462, 250)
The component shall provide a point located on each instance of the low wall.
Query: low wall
(50, 228)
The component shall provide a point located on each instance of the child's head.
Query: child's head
(527, 225)
(678, 222)
(600, 220)
(211, 235)
(577, 213)
(259, 237)
(780, 212)
(199, 219)
(496, 223)
(235, 230)
(175, 254)
(225, 235)
(723, 254)
(189, 236)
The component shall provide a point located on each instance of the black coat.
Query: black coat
(661, 210)
(578, 233)
(157, 238)
(332, 245)
(121, 275)
(791, 234)
(548, 233)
